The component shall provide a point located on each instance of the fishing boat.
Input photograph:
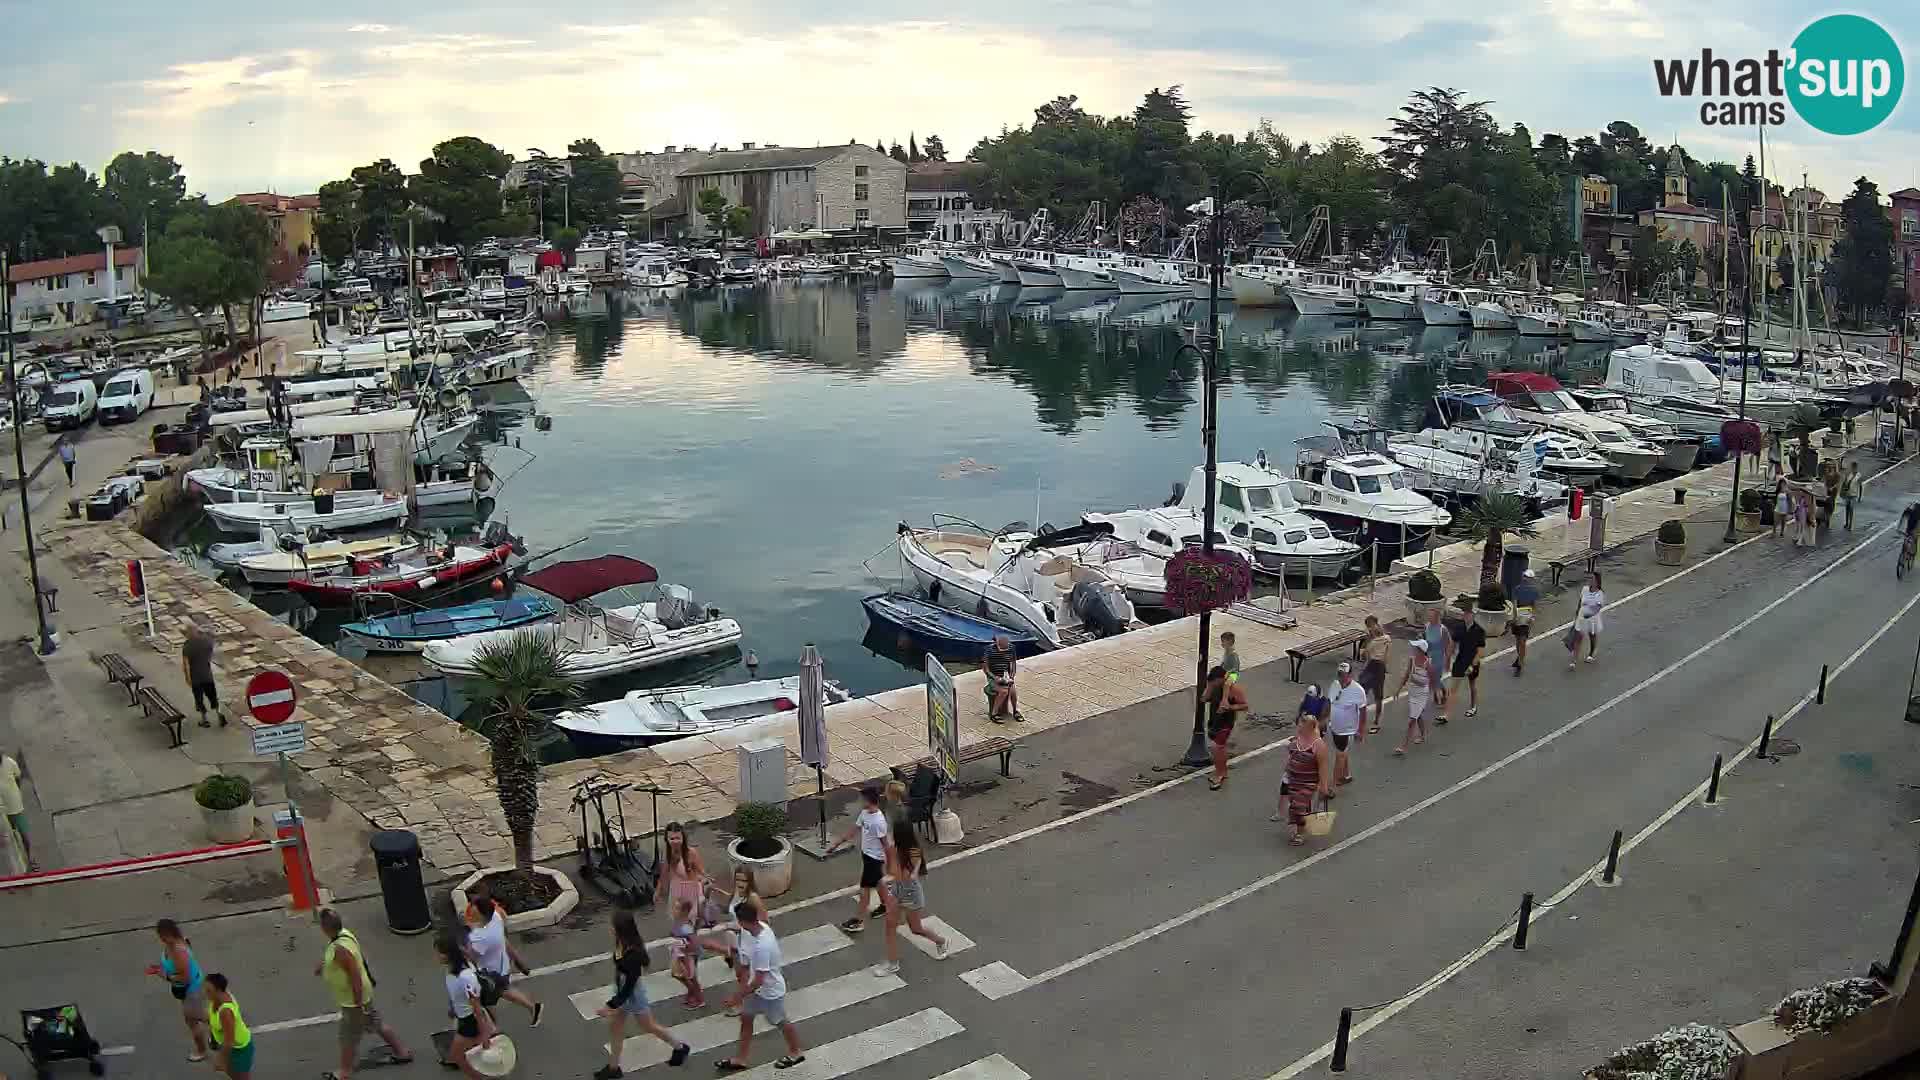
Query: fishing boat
(409, 576)
(1257, 508)
(920, 260)
(600, 640)
(248, 518)
(647, 717)
(1365, 496)
(1448, 305)
(969, 266)
(410, 631)
(938, 630)
(1017, 578)
(280, 566)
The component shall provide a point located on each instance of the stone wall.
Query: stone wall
(886, 180)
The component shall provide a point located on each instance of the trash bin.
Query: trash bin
(322, 501)
(396, 853)
(1513, 563)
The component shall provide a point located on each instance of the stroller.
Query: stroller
(58, 1033)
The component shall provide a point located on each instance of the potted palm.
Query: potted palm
(1670, 543)
(1490, 608)
(1490, 519)
(759, 845)
(1424, 594)
(226, 805)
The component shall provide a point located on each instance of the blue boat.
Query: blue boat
(941, 631)
(410, 631)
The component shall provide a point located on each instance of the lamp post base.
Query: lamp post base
(1197, 756)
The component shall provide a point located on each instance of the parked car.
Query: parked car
(129, 394)
(70, 404)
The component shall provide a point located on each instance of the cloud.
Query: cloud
(369, 28)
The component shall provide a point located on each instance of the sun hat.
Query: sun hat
(1419, 643)
(497, 1059)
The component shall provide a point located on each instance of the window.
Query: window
(861, 216)
(1910, 224)
(1260, 498)
(1320, 532)
(1398, 480)
(1264, 536)
(859, 170)
(859, 193)
(1239, 530)
(1343, 481)
(1230, 498)
(1297, 536)
(1155, 536)
(1369, 485)
(89, 277)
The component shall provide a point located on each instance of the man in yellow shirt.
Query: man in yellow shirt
(345, 972)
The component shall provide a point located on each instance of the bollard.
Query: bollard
(1713, 785)
(1766, 736)
(1613, 860)
(1339, 1063)
(1820, 696)
(1526, 916)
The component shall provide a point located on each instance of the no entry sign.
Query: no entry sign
(270, 697)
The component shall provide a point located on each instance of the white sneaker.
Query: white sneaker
(1589, 658)
(940, 951)
(887, 968)
(1571, 665)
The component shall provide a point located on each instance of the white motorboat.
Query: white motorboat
(1258, 509)
(1090, 271)
(1597, 322)
(326, 557)
(1452, 473)
(603, 641)
(1678, 451)
(1365, 496)
(1448, 305)
(921, 260)
(969, 266)
(654, 272)
(285, 310)
(1262, 280)
(1135, 555)
(487, 367)
(1036, 269)
(1017, 579)
(646, 717)
(1684, 384)
(1538, 316)
(1491, 312)
(1004, 269)
(1457, 407)
(1539, 399)
(1326, 292)
(247, 518)
(1393, 295)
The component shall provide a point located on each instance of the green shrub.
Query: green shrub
(223, 792)
(1424, 586)
(1493, 597)
(1752, 500)
(759, 826)
(1672, 532)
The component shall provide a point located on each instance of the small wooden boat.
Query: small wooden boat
(941, 631)
(279, 567)
(411, 631)
(413, 577)
(645, 717)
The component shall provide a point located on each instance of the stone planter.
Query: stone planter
(1417, 610)
(558, 909)
(1669, 554)
(229, 826)
(1854, 1046)
(1494, 622)
(772, 875)
(1747, 523)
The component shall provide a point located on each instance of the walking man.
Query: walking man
(1850, 490)
(492, 953)
(871, 826)
(66, 458)
(1526, 593)
(1469, 641)
(1346, 705)
(196, 663)
(1229, 659)
(344, 969)
(765, 993)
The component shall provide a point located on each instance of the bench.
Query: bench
(1588, 555)
(160, 709)
(120, 673)
(1300, 654)
(49, 596)
(985, 748)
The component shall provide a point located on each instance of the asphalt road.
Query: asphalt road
(1177, 933)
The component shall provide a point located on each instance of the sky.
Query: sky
(250, 96)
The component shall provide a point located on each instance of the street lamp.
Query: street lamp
(20, 462)
(1746, 331)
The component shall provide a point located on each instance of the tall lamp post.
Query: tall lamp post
(1196, 755)
(20, 461)
(1746, 330)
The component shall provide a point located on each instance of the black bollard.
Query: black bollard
(1526, 917)
(1820, 698)
(1766, 736)
(1339, 1062)
(1613, 861)
(1713, 785)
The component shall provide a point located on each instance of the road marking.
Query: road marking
(717, 1029)
(115, 1051)
(289, 1025)
(995, 981)
(661, 986)
(1443, 794)
(1591, 874)
(992, 1067)
(870, 1047)
(957, 942)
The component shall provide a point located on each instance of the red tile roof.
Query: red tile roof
(72, 264)
(267, 200)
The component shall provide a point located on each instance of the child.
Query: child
(685, 952)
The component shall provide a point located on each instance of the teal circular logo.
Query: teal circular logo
(1847, 74)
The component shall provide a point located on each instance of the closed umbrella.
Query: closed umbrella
(813, 725)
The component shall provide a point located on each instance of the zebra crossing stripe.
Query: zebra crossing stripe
(992, 1067)
(713, 971)
(717, 1029)
(957, 942)
(869, 1047)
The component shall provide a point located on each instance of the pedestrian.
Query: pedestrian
(683, 951)
(871, 827)
(682, 876)
(894, 805)
(1774, 454)
(496, 959)
(765, 994)
(1850, 490)
(906, 898)
(350, 982)
(181, 971)
(472, 1024)
(1228, 703)
(730, 939)
(1313, 703)
(1346, 704)
(1781, 507)
(1229, 659)
(1469, 641)
(1309, 772)
(1421, 687)
(231, 1039)
(66, 458)
(1587, 623)
(1000, 665)
(196, 663)
(1803, 520)
(1378, 648)
(1526, 594)
(629, 999)
(1439, 649)
(13, 804)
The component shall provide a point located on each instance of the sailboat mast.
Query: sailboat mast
(1764, 272)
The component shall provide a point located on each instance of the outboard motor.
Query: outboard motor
(1179, 492)
(676, 608)
(1100, 606)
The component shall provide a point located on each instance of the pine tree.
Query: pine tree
(934, 149)
(1748, 170)
(880, 145)
(913, 149)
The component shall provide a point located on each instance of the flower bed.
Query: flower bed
(1822, 1008)
(1689, 1052)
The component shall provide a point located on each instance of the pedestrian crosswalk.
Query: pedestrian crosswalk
(805, 1003)
(713, 971)
(870, 1047)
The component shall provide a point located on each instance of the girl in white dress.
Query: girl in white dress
(1588, 623)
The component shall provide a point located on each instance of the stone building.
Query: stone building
(1906, 242)
(1675, 218)
(844, 189)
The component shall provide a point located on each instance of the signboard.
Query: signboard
(943, 719)
(270, 697)
(279, 739)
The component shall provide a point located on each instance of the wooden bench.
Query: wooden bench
(1588, 555)
(120, 673)
(160, 709)
(985, 748)
(1300, 654)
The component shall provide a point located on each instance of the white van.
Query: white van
(128, 395)
(70, 404)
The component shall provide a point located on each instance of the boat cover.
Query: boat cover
(572, 582)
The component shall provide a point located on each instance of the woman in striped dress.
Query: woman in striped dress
(1419, 682)
(1309, 772)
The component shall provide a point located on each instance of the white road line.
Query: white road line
(716, 1029)
(1505, 933)
(992, 1067)
(1443, 794)
(115, 1051)
(870, 1047)
(957, 942)
(995, 980)
(713, 971)
(289, 1025)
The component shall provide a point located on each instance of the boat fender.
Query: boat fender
(427, 582)
(482, 477)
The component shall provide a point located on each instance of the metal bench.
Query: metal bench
(159, 709)
(49, 596)
(985, 748)
(1300, 654)
(120, 673)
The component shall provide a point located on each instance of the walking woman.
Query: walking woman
(1373, 673)
(728, 938)
(1309, 773)
(472, 1025)
(683, 876)
(230, 1035)
(1780, 506)
(1229, 702)
(1588, 623)
(629, 1000)
(182, 974)
(1417, 681)
(905, 898)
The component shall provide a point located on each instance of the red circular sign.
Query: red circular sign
(270, 697)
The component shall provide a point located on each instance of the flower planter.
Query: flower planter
(1492, 621)
(772, 875)
(1748, 523)
(550, 915)
(229, 826)
(1417, 610)
(1669, 554)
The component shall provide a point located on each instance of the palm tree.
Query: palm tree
(1490, 518)
(513, 673)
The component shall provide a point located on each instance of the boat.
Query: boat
(941, 631)
(1394, 294)
(647, 717)
(281, 565)
(1596, 323)
(1556, 455)
(1539, 316)
(1090, 271)
(1364, 496)
(1262, 280)
(1004, 269)
(1681, 384)
(1539, 399)
(602, 641)
(1448, 468)
(410, 631)
(1448, 306)
(969, 266)
(1140, 275)
(1017, 579)
(920, 260)
(1326, 293)
(285, 310)
(1491, 312)
(1257, 508)
(247, 518)
(411, 576)
(1036, 270)
(1678, 451)
(1143, 540)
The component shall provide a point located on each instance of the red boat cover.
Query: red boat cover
(1506, 382)
(572, 582)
